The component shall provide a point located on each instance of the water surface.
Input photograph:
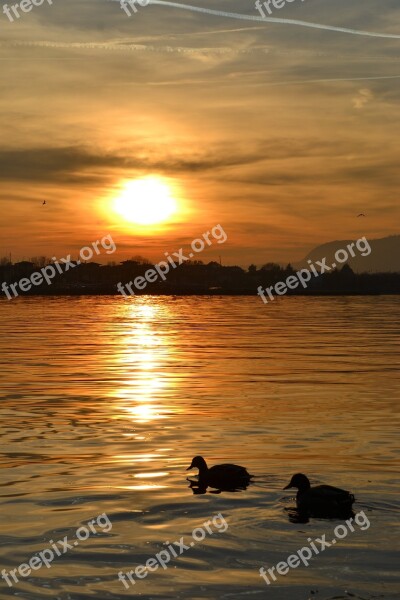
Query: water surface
(104, 402)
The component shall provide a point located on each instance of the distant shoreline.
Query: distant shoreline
(191, 279)
(208, 293)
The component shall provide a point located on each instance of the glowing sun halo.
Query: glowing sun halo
(145, 201)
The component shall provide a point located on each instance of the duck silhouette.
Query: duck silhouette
(322, 500)
(226, 477)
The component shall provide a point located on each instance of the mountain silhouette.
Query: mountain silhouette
(384, 258)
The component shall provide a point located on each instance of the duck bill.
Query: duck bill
(287, 487)
(189, 468)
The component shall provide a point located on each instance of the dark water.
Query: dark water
(104, 402)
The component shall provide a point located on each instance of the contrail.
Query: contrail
(335, 79)
(259, 19)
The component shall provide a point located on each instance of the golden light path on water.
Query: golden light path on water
(139, 358)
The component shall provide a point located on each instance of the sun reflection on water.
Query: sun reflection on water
(140, 359)
(144, 379)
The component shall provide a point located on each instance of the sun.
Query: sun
(146, 201)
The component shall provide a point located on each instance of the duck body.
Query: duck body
(320, 499)
(222, 476)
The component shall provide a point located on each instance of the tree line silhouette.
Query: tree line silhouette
(194, 277)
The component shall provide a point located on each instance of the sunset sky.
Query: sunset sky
(280, 133)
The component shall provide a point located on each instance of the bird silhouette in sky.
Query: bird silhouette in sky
(44, 202)
(361, 215)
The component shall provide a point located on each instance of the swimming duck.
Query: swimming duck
(321, 499)
(220, 476)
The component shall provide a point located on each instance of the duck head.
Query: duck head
(299, 481)
(198, 463)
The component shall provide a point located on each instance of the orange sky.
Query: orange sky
(281, 134)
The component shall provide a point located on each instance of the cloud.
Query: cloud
(80, 165)
(363, 98)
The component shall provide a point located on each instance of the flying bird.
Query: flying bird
(361, 215)
(44, 202)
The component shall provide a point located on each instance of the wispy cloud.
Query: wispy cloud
(363, 97)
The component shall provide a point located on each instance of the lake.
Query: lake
(106, 400)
